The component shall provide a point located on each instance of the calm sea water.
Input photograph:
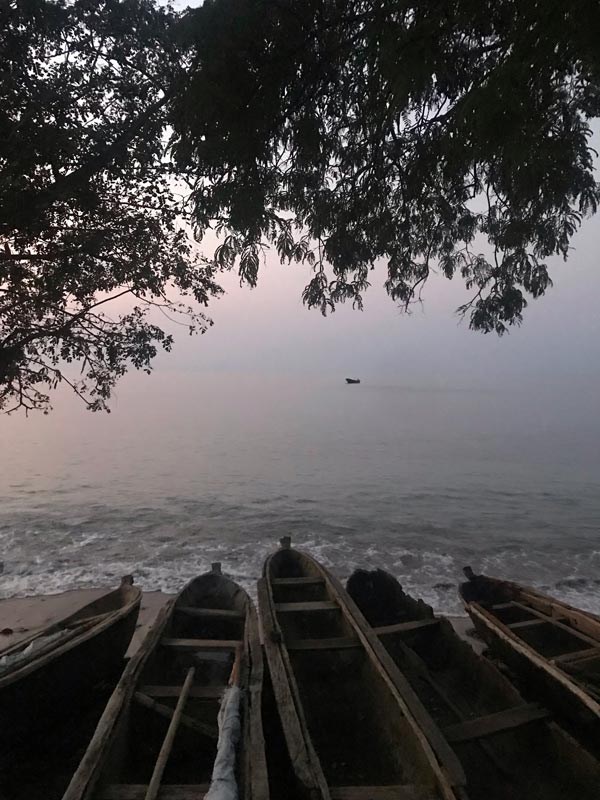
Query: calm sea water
(193, 469)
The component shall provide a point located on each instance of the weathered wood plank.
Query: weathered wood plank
(305, 761)
(556, 620)
(201, 692)
(526, 623)
(209, 613)
(398, 792)
(137, 791)
(495, 723)
(578, 655)
(304, 581)
(339, 643)
(314, 605)
(581, 620)
(201, 644)
(406, 627)
(211, 731)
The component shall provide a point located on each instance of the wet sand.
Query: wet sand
(23, 616)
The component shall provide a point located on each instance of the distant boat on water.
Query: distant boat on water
(352, 380)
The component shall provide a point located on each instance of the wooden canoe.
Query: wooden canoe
(158, 735)
(553, 648)
(507, 747)
(354, 728)
(51, 676)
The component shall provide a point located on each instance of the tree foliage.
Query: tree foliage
(88, 208)
(341, 134)
(344, 133)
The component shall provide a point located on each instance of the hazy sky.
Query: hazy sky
(269, 330)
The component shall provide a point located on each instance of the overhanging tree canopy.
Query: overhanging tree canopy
(337, 133)
(88, 209)
(344, 133)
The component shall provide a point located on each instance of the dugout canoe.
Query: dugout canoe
(552, 648)
(51, 676)
(354, 728)
(159, 733)
(507, 747)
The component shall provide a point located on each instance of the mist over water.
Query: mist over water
(419, 480)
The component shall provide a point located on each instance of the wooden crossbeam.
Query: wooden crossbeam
(315, 605)
(297, 581)
(557, 622)
(201, 644)
(211, 731)
(339, 643)
(526, 623)
(481, 727)
(406, 627)
(209, 613)
(199, 692)
(137, 791)
(398, 792)
(578, 655)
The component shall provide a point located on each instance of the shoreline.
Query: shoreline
(23, 616)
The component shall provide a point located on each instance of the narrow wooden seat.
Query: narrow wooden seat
(137, 791)
(398, 792)
(578, 655)
(297, 581)
(558, 622)
(200, 692)
(315, 605)
(481, 727)
(339, 643)
(201, 644)
(526, 623)
(406, 627)
(209, 613)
